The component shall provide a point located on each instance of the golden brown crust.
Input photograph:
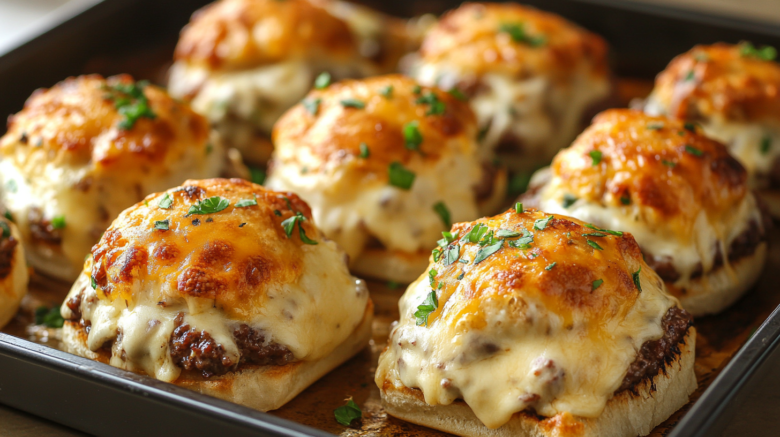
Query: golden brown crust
(190, 258)
(236, 34)
(336, 132)
(75, 123)
(658, 163)
(718, 80)
(470, 37)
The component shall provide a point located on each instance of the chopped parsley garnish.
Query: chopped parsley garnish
(8, 216)
(449, 237)
(766, 53)
(551, 266)
(348, 413)
(436, 254)
(690, 127)
(353, 103)
(461, 275)
(635, 276)
(257, 175)
(436, 107)
(670, 164)
(429, 305)
(130, 101)
(766, 144)
(655, 126)
(517, 32)
(519, 207)
(596, 284)
(209, 148)
(595, 156)
(162, 225)
(400, 176)
(289, 224)
(387, 91)
(412, 135)
(49, 317)
(93, 282)
(451, 254)
(568, 200)
(312, 105)
(322, 81)
(364, 152)
(58, 222)
(463, 261)
(166, 201)
(486, 251)
(615, 233)
(594, 234)
(444, 213)
(209, 206)
(432, 277)
(690, 76)
(625, 200)
(458, 94)
(476, 233)
(593, 244)
(524, 242)
(417, 89)
(540, 224)
(507, 233)
(693, 151)
(246, 202)
(6, 230)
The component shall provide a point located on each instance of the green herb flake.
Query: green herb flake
(49, 317)
(476, 233)
(209, 206)
(162, 225)
(693, 151)
(322, 81)
(387, 91)
(765, 53)
(690, 127)
(131, 102)
(348, 413)
(58, 222)
(461, 275)
(690, 76)
(593, 244)
(436, 253)
(615, 233)
(519, 207)
(517, 32)
(257, 175)
(540, 224)
(487, 251)
(93, 281)
(655, 126)
(594, 234)
(635, 276)
(568, 200)
(312, 105)
(412, 136)
(166, 201)
(8, 216)
(429, 305)
(289, 224)
(596, 284)
(246, 202)
(400, 176)
(417, 89)
(766, 144)
(353, 103)
(451, 254)
(551, 266)
(625, 200)
(595, 156)
(6, 230)
(670, 164)
(364, 152)
(436, 107)
(458, 94)
(507, 233)
(444, 214)
(432, 277)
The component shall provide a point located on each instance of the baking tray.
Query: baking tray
(734, 349)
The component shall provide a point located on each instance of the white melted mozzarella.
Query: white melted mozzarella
(522, 357)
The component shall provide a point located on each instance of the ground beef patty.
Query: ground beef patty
(7, 247)
(197, 351)
(656, 354)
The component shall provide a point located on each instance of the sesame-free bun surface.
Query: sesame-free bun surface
(219, 273)
(339, 159)
(682, 195)
(14, 275)
(68, 165)
(551, 320)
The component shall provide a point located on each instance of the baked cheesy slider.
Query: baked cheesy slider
(243, 63)
(531, 324)
(223, 287)
(531, 76)
(13, 270)
(86, 149)
(681, 195)
(386, 165)
(733, 93)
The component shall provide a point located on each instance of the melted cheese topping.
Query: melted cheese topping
(65, 156)
(528, 328)
(13, 286)
(680, 207)
(233, 267)
(319, 157)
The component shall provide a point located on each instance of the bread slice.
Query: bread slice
(263, 388)
(627, 414)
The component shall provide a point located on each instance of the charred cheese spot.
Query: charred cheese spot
(83, 161)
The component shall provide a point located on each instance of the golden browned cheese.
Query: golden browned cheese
(478, 37)
(334, 132)
(232, 257)
(666, 166)
(236, 34)
(720, 80)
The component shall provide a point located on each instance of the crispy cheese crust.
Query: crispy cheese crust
(681, 194)
(13, 271)
(250, 264)
(69, 163)
(339, 158)
(541, 312)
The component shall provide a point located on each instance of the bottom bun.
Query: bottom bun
(388, 265)
(263, 388)
(628, 414)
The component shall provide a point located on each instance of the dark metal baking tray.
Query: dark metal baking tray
(137, 37)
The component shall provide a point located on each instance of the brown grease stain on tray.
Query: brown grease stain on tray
(719, 337)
